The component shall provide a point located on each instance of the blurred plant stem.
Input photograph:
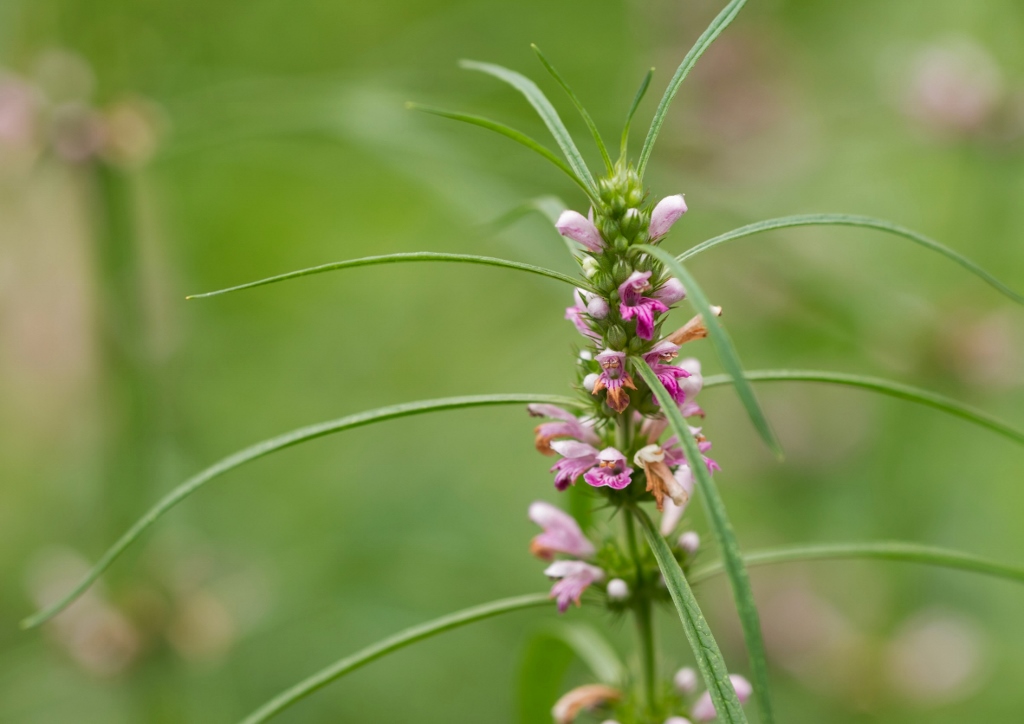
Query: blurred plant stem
(129, 396)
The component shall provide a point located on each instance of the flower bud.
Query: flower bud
(677, 720)
(597, 307)
(704, 710)
(670, 292)
(689, 542)
(589, 381)
(590, 267)
(668, 210)
(579, 228)
(630, 223)
(615, 336)
(617, 590)
(685, 680)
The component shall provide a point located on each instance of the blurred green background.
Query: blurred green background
(283, 143)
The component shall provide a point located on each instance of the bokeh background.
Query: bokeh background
(250, 138)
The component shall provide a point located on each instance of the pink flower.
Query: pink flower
(561, 534)
(611, 470)
(614, 378)
(704, 710)
(579, 228)
(674, 451)
(573, 579)
(658, 358)
(577, 459)
(569, 426)
(632, 303)
(578, 313)
(666, 213)
(670, 292)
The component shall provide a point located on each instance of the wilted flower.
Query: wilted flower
(583, 698)
(562, 534)
(660, 480)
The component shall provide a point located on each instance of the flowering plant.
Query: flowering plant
(626, 438)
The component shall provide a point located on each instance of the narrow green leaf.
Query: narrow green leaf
(886, 387)
(398, 259)
(517, 136)
(724, 535)
(400, 640)
(640, 93)
(705, 649)
(261, 449)
(884, 550)
(703, 42)
(722, 343)
(591, 126)
(545, 110)
(550, 207)
(867, 222)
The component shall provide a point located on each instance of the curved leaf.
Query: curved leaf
(545, 110)
(867, 222)
(398, 259)
(508, 132)
(640, 93)
(591, 126)
(884, 550)
(723, 345)
(705, 648)
(726, 538)
(703, 42)
(400, 640)
(886, 387)
(264, 448)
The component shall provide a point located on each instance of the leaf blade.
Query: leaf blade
(400, 640)
(884, 550)
(705, 649)
(726, 539)
(266, 447)
(418, 256)
(640, 93)
(784, 222)
(719, 24)
(545, 110)
(591, 126)
(885, 387)
(509, 132)
(723, 345)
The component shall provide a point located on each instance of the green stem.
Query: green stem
(644, 619)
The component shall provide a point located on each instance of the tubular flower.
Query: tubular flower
(587, 698)
(660, 481)
(670, 292)
(666, 213)
(568, 426)
(577, 459)
(690, 386)
(704, 710)
(562, 534)
(614, 378)
(632, 303)
(578, 313)
(694, 329)
(579, 228)
(675, 456)
(658, 358)
(573, 577)
(673, 513)
(611, 470)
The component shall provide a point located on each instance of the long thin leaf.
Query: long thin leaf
(703, 42)
(545, 110)
(591, 126)
(517, 136)
(400, 640)
(722, 343)
(548, 206)
(726, 538)
(705, 649)
(266, 447)
(417, 256)
(867, 222)
(640, 93)
(884, 550)
(886, 387)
